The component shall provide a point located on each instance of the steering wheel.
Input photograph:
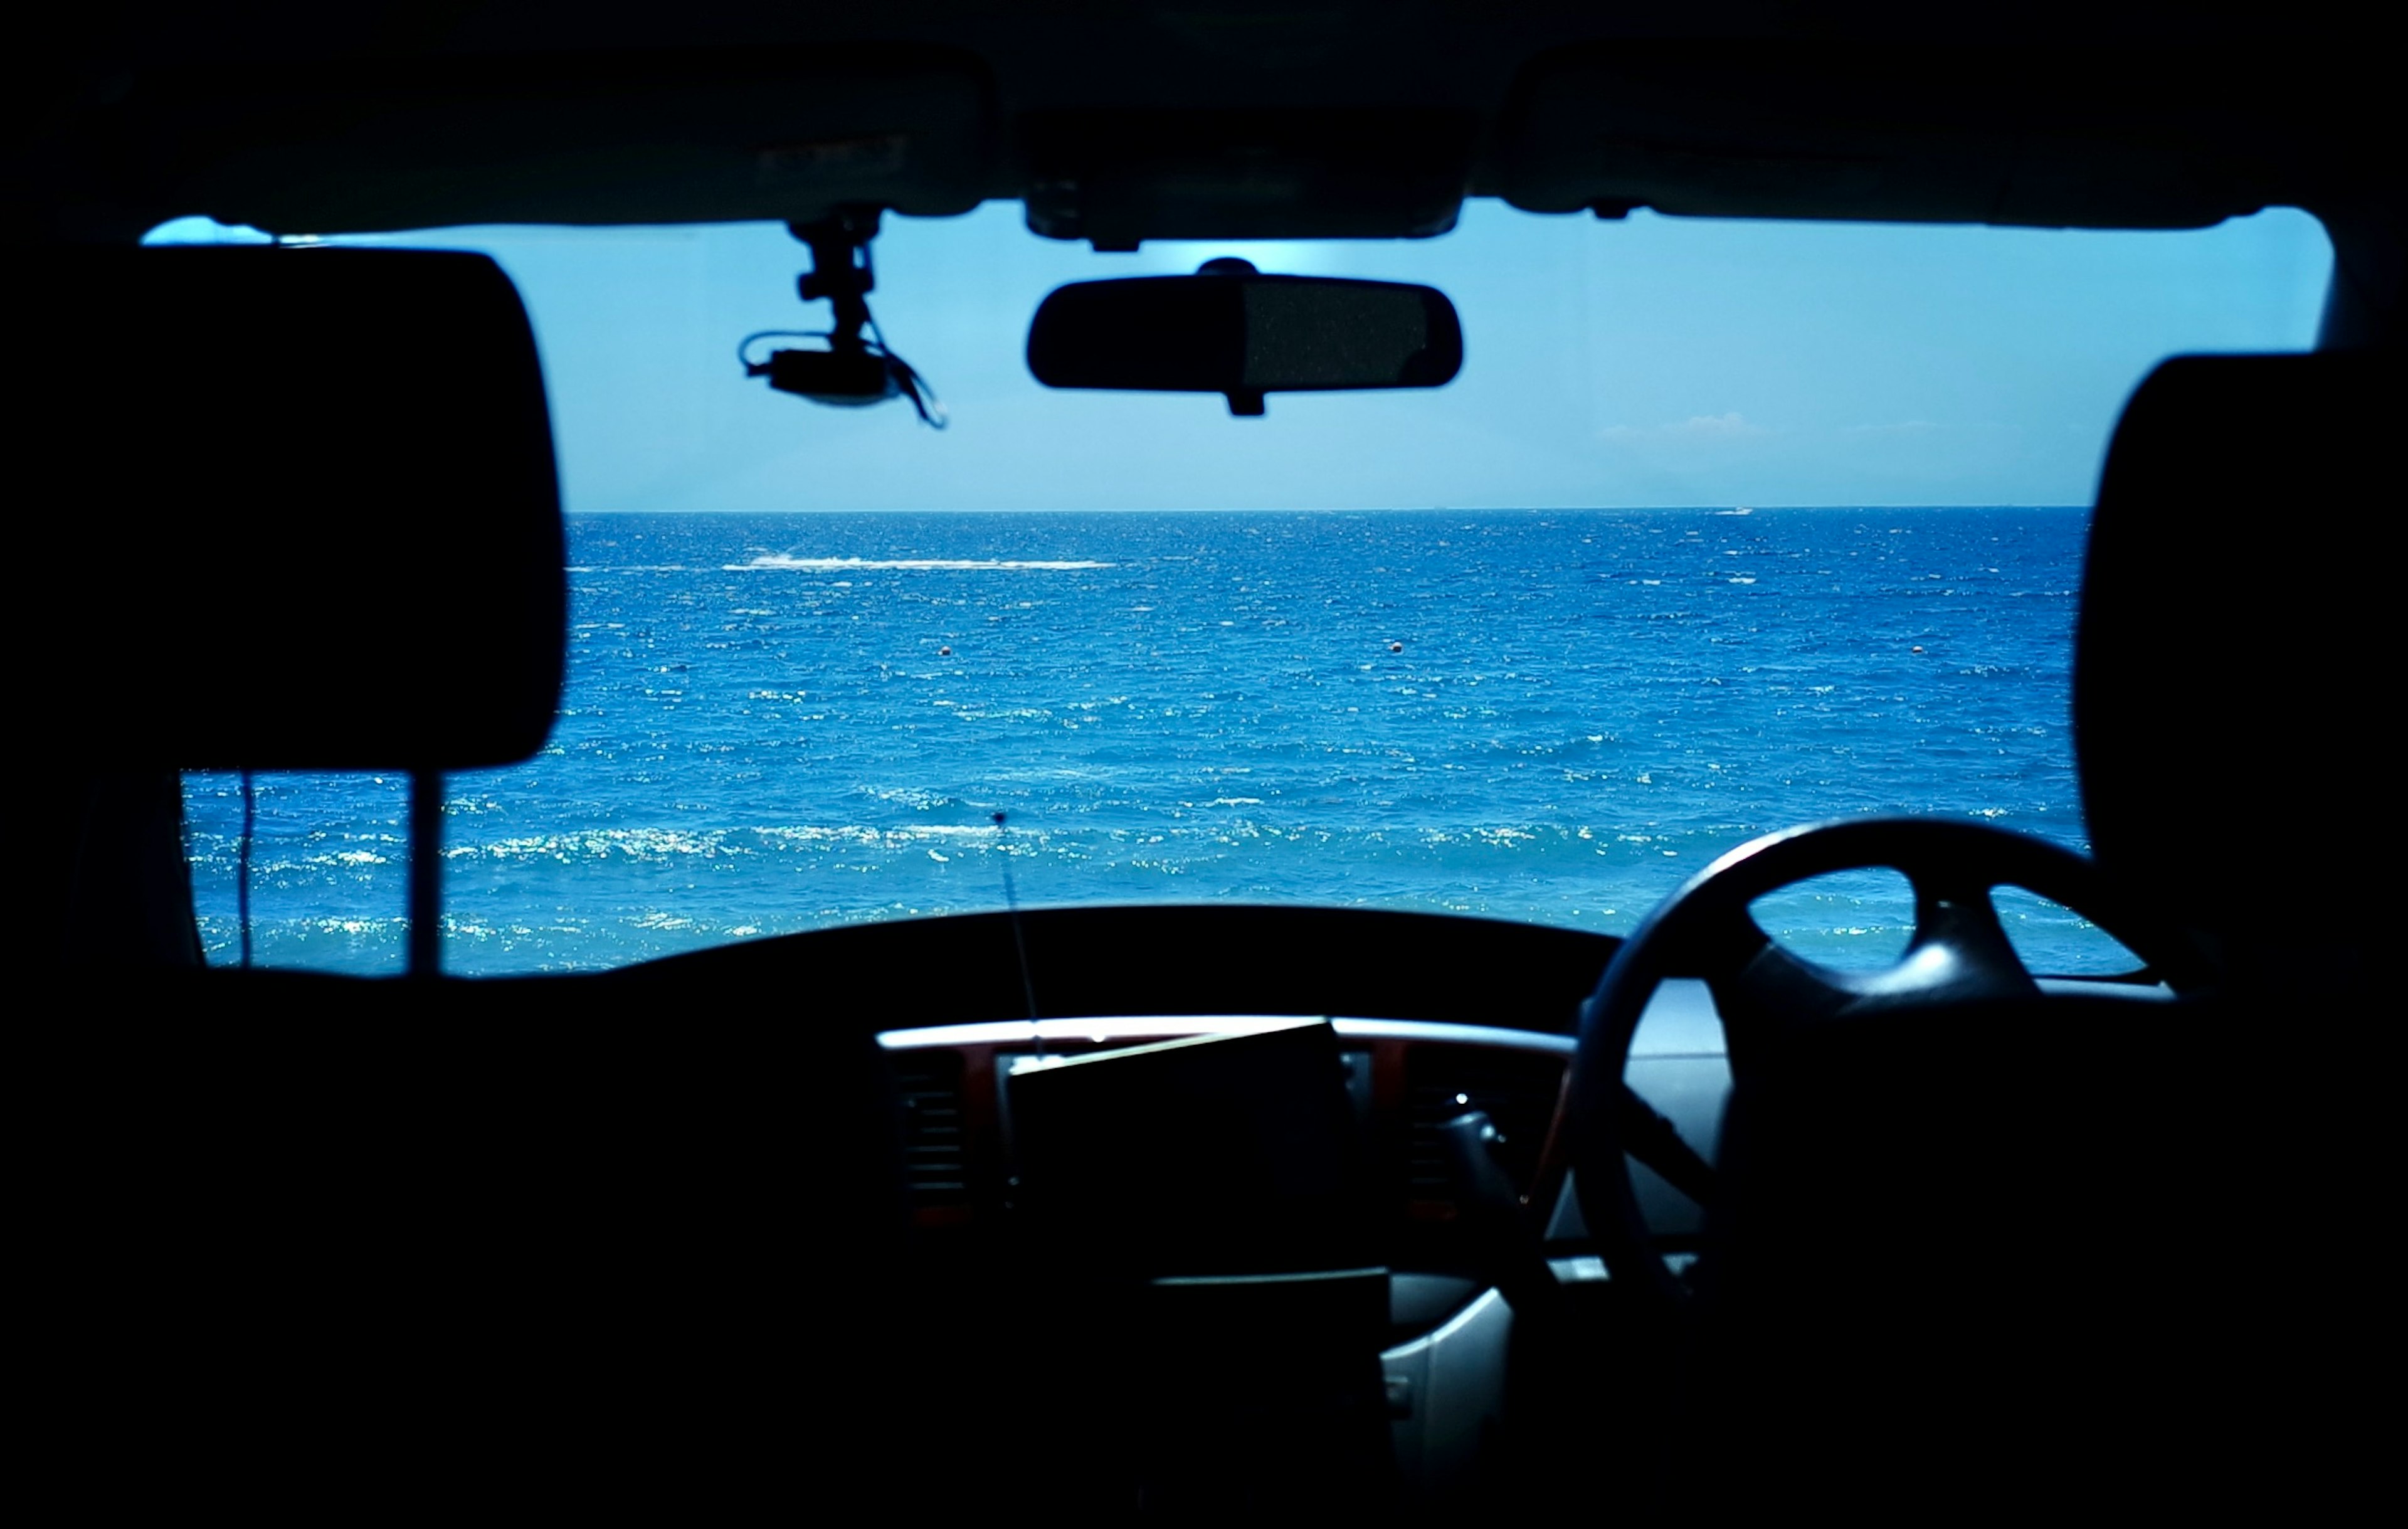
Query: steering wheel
(1959, 954)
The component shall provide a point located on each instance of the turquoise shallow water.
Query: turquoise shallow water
(774, 723)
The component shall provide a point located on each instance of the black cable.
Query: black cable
(746, 343)
(242, 865)
(916, 388)
(425, 873)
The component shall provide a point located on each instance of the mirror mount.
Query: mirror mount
(855, 368)
(841, 270)
(1244, 403)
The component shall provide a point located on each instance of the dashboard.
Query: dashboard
(1447, 1359)
(1431, 1015)
(1404, 1077)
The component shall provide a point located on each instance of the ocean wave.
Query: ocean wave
(734, 843)
(917, 797)
(576, 844)
(854, 565)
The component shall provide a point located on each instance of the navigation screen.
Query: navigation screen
(1225, 1154)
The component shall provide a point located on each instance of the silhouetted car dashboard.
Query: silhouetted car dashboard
(1405, 1078)
(1446, 1361)
(1437, 1015)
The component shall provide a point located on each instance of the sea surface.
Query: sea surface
(782, 722)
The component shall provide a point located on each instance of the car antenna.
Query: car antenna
(857, 368)
(1018, 941)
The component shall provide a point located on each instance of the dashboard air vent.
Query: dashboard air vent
(936, 1146)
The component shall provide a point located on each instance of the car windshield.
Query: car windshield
(1725, 527)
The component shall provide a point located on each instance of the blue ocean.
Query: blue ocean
(780, 722)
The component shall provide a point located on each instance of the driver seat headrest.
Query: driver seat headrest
(2230, 682)
(298, 510)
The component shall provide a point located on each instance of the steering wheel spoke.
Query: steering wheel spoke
(1768, 994)
(1960, 951)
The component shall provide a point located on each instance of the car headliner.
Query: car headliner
(1186, 117)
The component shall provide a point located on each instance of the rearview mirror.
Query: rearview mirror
(1231, 330)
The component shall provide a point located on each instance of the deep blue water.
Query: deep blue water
(1545, 716)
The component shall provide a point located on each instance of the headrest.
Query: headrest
(2230, 682)
(289, 508)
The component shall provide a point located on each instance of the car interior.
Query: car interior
(1167, 1211)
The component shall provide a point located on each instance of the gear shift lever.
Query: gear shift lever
(1511, 1256)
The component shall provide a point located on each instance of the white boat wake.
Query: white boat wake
(851, 564)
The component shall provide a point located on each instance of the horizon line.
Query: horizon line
(1345, 509)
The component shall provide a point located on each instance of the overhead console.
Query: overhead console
(1117, 178)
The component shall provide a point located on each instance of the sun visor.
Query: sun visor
(1901, 131)
(287, 508)
(763, 134)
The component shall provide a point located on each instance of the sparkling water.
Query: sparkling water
(780, 722)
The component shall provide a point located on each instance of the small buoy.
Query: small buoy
(1918, 647)
(1399, 647)
(947, 652)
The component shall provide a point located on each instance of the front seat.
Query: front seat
(2235, 669)
(2234, 679)
(2118, 1252)
(297, 1246)
(298, 510)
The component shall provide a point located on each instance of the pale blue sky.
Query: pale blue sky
(1652, 361)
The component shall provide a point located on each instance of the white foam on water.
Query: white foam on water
(850, 565)
(863, 835)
